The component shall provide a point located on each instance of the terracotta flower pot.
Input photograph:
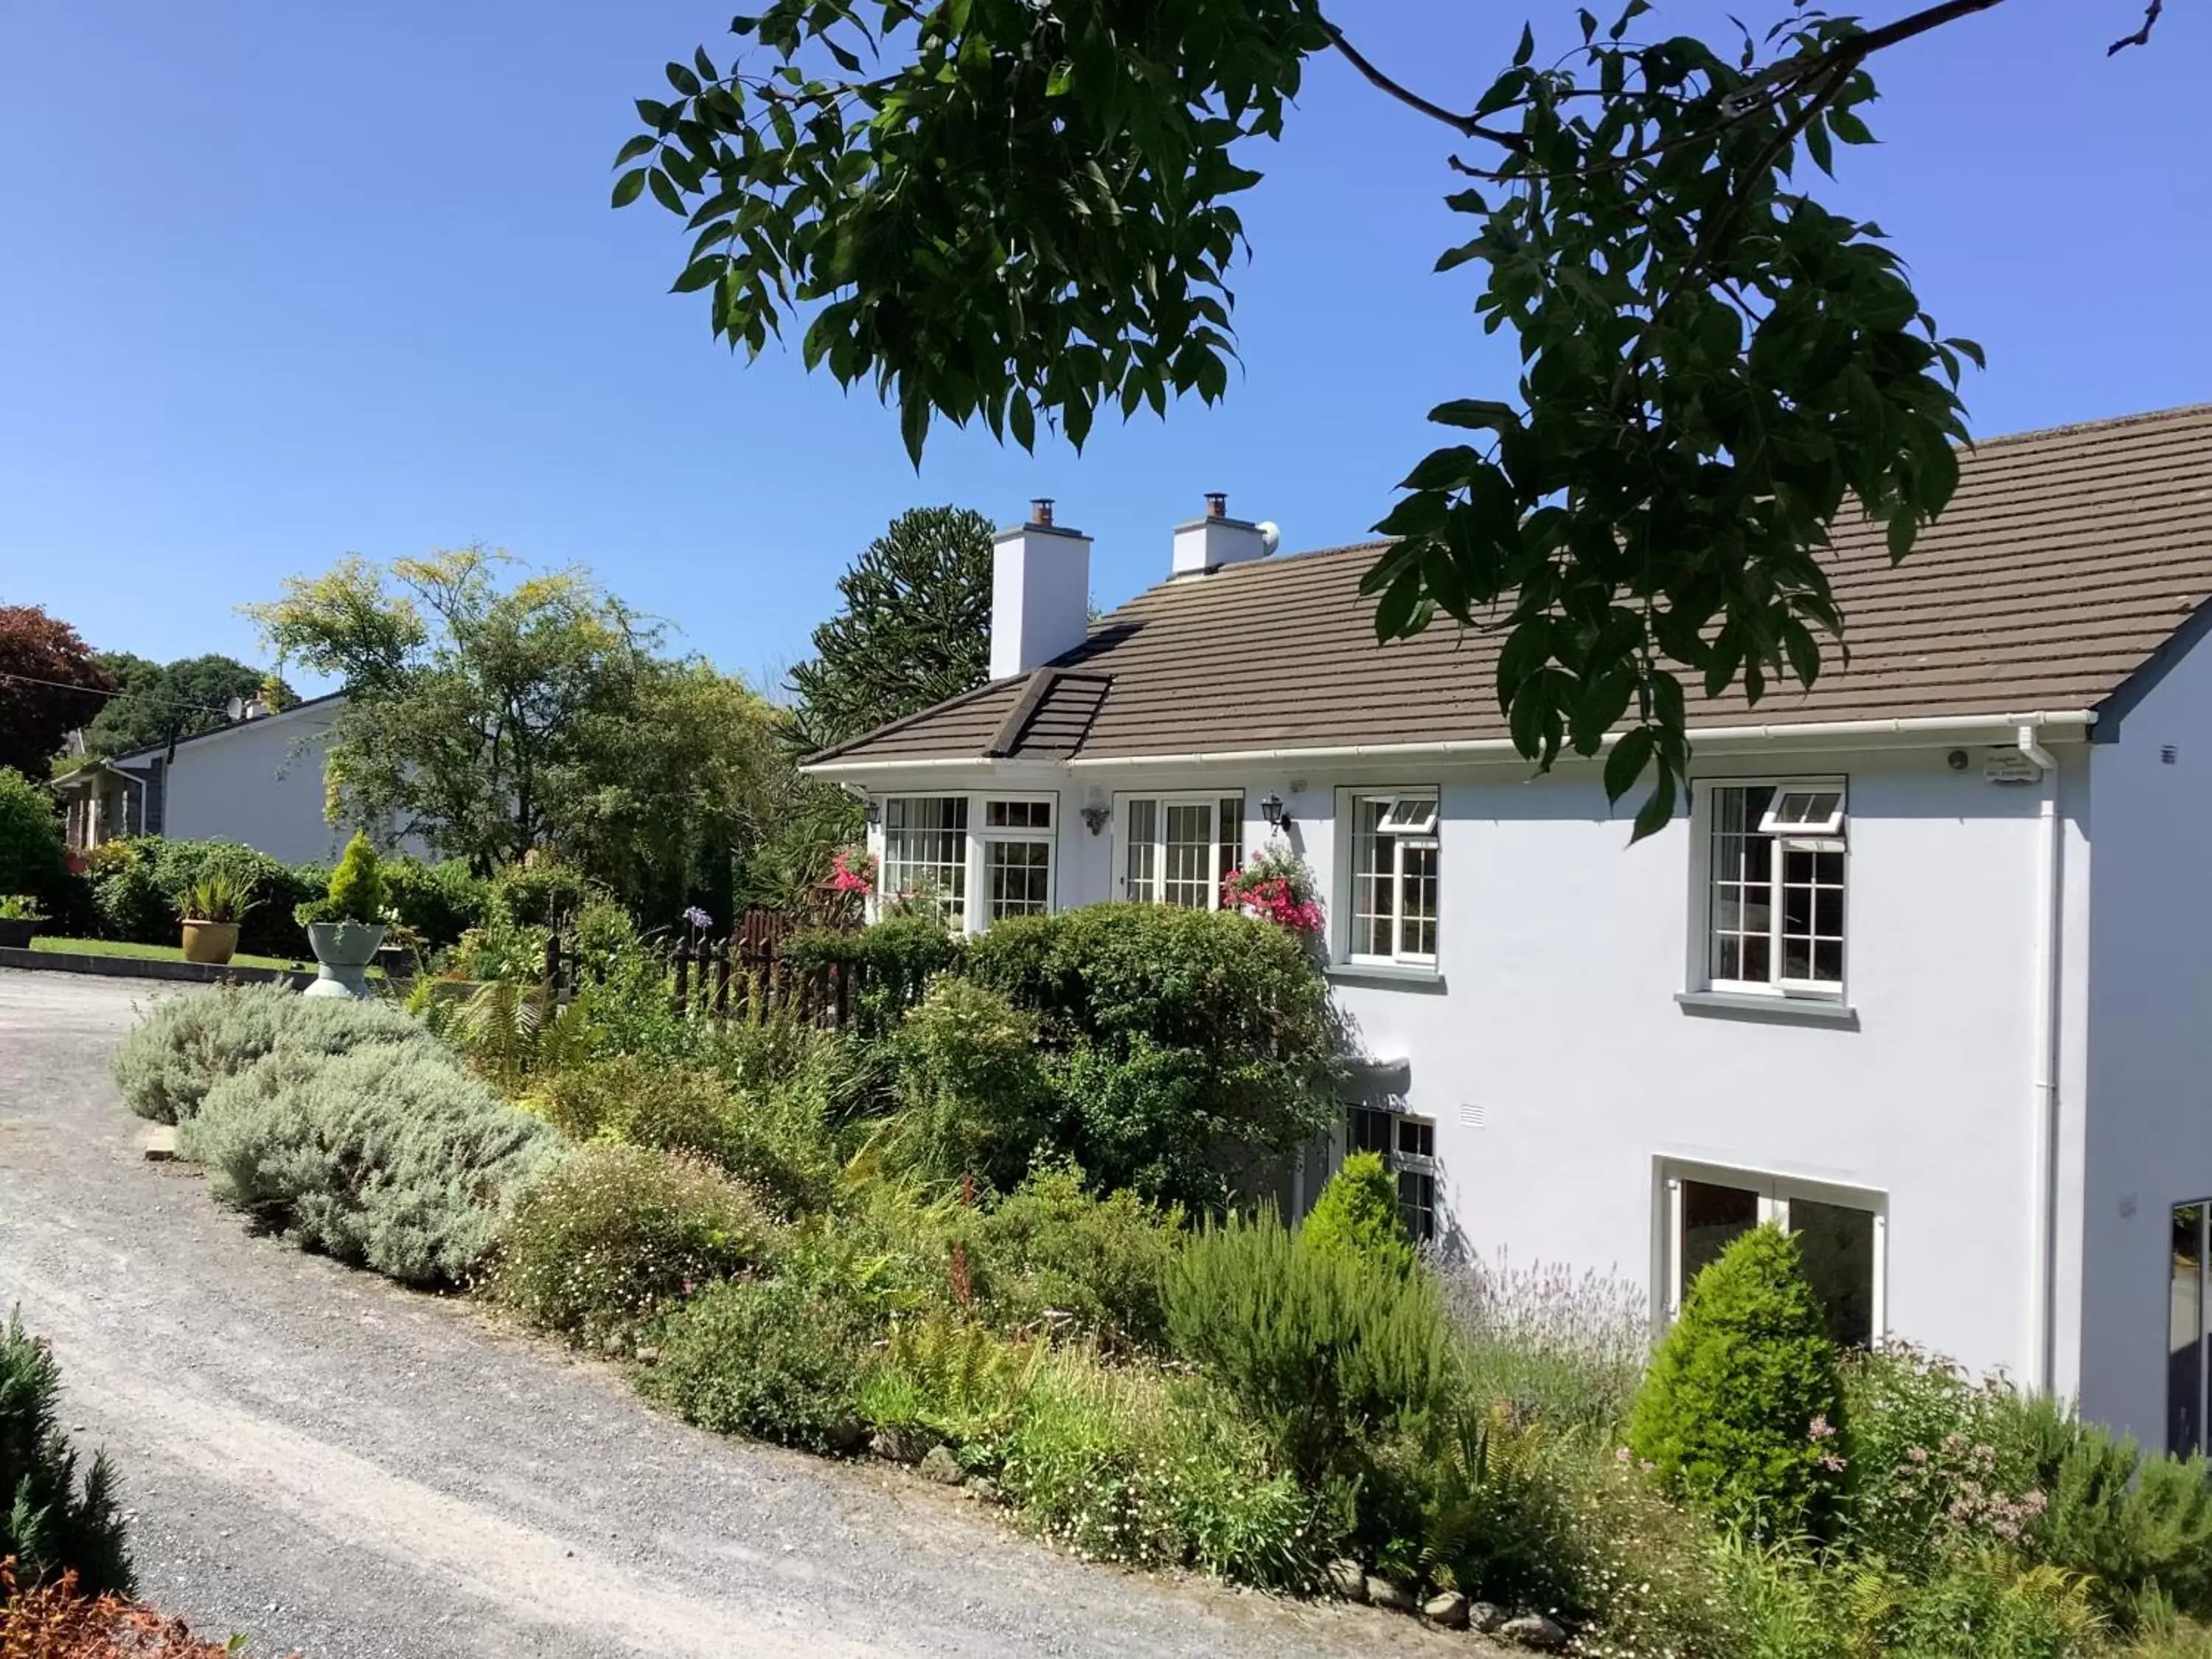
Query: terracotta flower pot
(343, 951)
(210, 942)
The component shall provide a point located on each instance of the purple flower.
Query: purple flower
(698, 919)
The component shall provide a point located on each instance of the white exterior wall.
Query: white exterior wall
(2149, 1138)
(1553, 1024)
(245, 784)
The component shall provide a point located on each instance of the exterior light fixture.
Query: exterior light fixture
(874, 811)
(1277, 815)
(1096, 815)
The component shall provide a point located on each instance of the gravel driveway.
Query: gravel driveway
(341, 1468)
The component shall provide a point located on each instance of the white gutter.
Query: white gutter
(1917, 729)
(2049, 897)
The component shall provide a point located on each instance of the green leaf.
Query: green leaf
(629, 186)
(1626, 764)
(1527, 49)
(665, 193)
(914, 424)
(684, 81)
(1658, 809)
(700, 272)
(643, 145)
(1482, 413)
(1021, 421)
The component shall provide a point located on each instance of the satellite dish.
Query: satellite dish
(1271, 535)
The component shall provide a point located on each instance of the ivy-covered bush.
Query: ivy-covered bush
(1357, 1215)
(1742, 1411)
(1191, 1049)
(613, 1234)
(50, 1522)
(390, 1157)
(192, 1040)
(1330, 1352)
(777, 1359)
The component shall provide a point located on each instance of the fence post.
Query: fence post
(553, 963)
(682, 979)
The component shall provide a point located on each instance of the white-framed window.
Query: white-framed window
(1393, 871)
(1776, 856)
(1842, 1236)
(1016, 842)
(1175, 849)
(1407, 1146)
(2188, 1330)
(926, 852)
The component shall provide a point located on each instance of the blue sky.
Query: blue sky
(285, 280)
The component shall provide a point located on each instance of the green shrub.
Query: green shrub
(1357, 1214)
(48, 1521)
(775, 1137)
(897, 959)
(355, 892)
(439, 902)
(595, 1248)
(138, 885)
(1053, 1257)
(1193, 1050)
(189, 1041)
(1927, 1476)
(778, 1360)
(1125, 1465)
(544, 894)
(30, 841)
(973, 1099)
(389, 1156)
(1742, 1411)
(953, 1381)
(1328, 1352)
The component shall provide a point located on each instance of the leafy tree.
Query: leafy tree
(163, 702)
(914, 629)
(49, 686)
(1022, 211)
(30, 838)
(497, 719)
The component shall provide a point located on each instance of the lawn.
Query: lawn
(110, 947)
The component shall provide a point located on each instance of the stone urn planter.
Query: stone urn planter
(343, 951)
(16, 932)
(210, 943)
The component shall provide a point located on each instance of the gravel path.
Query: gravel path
(341, 1468)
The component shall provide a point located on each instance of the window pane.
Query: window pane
(1141, 871)
(1230, 815)
(925, 851)
(1411, 814)
(1836, 1243)
(1366, 1130)
(1374, 877)
(1017, 876)
(1188, 882)
(1712, 1218)
(2184, 1362)
(1017, 814)
(1417, 1203)
(1417, 898)
(1417, 1138)
(1739, 906)
(1812, 913)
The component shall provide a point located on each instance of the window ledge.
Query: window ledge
(1386, 973)
(1778, 1009)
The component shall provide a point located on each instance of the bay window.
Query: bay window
(1774, 887)
(1393, 869)
(938, 848)
(1175, 849)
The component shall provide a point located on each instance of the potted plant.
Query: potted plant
(214, 905)
(342, 928)
(20, 917)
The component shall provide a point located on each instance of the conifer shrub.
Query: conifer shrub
(777, 1359)
(1328, 1351)
(192, 1040)
(613, 1234)
(50, 1522)
(1357, 1215)
(389, 1156)
(356, 888)
(1741, 1413)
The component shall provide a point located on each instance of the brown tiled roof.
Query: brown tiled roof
(2065, 561)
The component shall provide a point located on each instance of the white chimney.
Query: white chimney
(1040, 592)
(1217, 539)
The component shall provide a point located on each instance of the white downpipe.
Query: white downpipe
(2050, 894)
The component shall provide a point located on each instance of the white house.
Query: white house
(258, 781)
(1920, 970)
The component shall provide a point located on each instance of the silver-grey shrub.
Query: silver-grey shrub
(388, 1157)
(1548, 1340)
(188, 1043)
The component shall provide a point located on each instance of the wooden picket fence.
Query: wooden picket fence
(740, 976)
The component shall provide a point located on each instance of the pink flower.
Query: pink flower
(1916, 1453)
(1821, 1429)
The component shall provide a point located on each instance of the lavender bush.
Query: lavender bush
(1554, 1343)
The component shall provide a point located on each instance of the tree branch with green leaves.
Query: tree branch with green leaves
(1022, 212)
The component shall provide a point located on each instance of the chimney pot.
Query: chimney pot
(1041, 510)
(1217, 504)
